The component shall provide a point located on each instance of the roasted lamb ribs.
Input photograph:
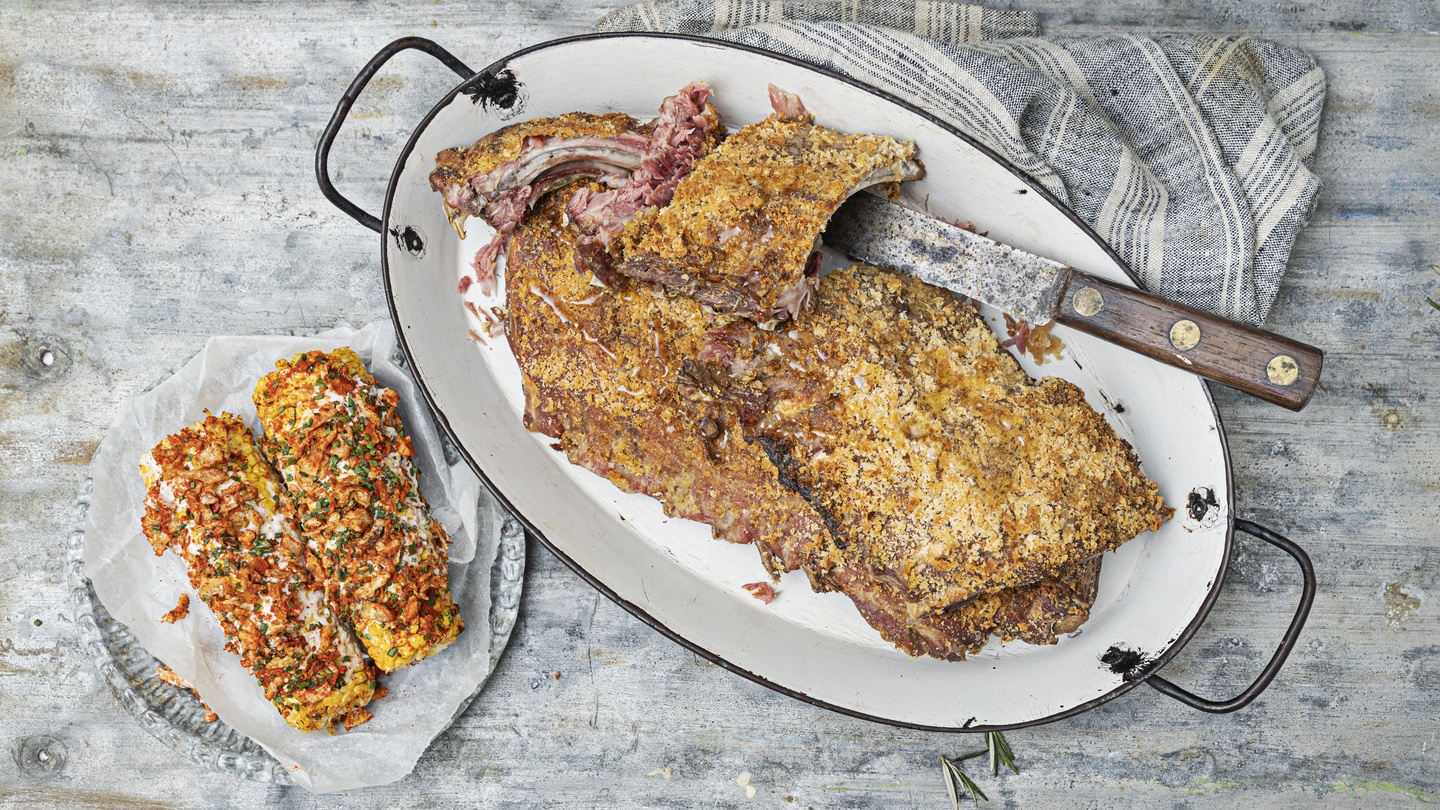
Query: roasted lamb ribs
(741, 230)
(608, 374)
(599, 371)
(502, 175)
(1038, 613)
(921, 443)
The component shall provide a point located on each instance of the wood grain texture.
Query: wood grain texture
(1230, 353)
(156, 188)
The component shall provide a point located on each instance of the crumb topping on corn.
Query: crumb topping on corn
(214, 501)
(335, 436)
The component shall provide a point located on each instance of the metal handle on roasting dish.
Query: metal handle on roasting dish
(327, 138)
(1292, 634)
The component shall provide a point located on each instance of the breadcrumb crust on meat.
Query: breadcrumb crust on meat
(1038, 613)
(608, 374)
(894, 412)
(212, 500)
(600, 371)
(739, 231)
(335, 436)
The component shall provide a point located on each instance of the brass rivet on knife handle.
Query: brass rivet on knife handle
(1087, 301)
(1262, 364)
(1283, 370)
(1185, 335)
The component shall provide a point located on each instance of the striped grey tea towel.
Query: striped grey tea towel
(1190, 155)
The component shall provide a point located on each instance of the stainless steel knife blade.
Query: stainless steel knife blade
(1040, 290)
(877, 231)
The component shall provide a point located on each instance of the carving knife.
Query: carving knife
(1039, 290)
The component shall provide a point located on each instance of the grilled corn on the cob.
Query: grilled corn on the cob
(214, 501)
(336, 438)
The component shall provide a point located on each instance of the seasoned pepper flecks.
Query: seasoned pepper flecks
(336, 438)
(213, 501)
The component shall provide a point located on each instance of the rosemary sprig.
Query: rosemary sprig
(955, 775)
(999, 753)
(1428, 299)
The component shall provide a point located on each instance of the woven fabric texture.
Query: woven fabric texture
(1191, 156)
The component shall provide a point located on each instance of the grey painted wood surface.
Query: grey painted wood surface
(156, 189)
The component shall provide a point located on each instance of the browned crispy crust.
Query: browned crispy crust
(1038, 613)
(607, 373)
(463, 162)
(740, 229)
(894, 412)
(1057, 606)
(213, 501)
(599, 370)
(180, 611)
(335, 435)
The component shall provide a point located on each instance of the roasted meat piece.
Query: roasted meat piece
(894, 412)
(599, 370)
(521, 155)
(741, 230)
(1053, 608)
(608, 374)
(501, 175)
(1038, 613)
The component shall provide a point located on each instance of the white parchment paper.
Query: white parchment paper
(137, 587)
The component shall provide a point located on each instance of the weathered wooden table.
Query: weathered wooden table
(156, 188)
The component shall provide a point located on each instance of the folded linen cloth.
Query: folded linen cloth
(1189, 155)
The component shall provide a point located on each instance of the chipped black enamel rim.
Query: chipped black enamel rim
(483, 89)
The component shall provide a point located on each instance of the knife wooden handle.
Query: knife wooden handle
(1262, 364)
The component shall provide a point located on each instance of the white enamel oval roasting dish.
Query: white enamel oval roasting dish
(1154, 592)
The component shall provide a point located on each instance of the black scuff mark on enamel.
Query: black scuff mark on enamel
(969, 723)
(1121, 660)
(409, 240)
(1132, 665)
(497, 89)
(1199, 504)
